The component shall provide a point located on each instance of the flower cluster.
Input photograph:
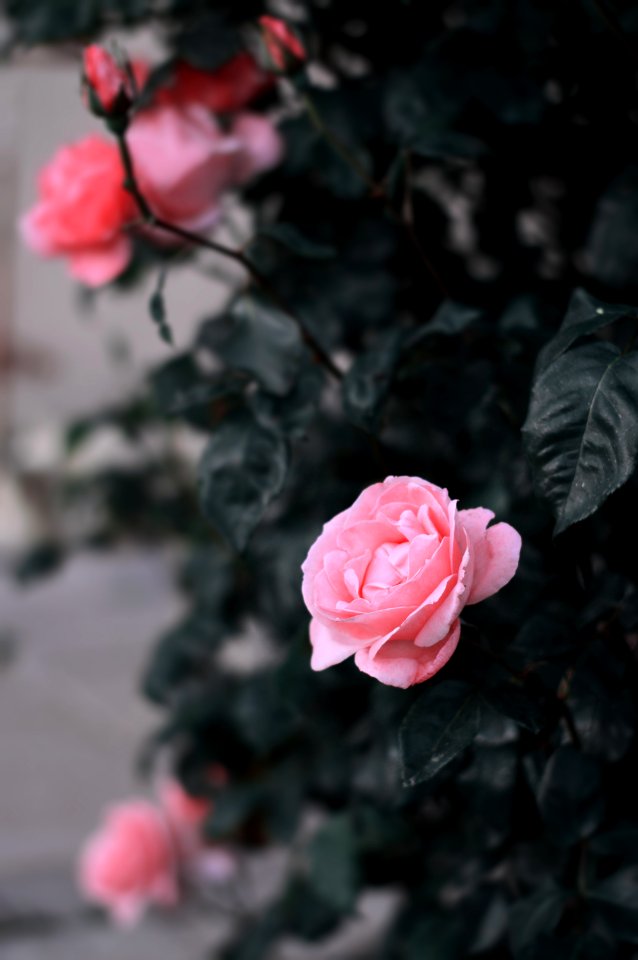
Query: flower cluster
(184, 159)
(144, 851)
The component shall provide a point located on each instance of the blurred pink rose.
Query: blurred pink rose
(82, 210)
(130, 862)
(184, 160)
(387, 579)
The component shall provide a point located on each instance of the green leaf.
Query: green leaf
(297, 242)
(157, 310)
(581, 431)
(334, 868)
(179, 386)
(242, 470)
(264, 342)
(450, 319)
(307, 914)
(617, 901)
(367, 382)
(232, 807)
(519, 703)
(535, 916)
(570, 796)
(585, 315)
(439, 726)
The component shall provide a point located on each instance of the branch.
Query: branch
(151, 220)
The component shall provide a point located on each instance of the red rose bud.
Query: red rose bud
(284, 48)
(108, 84)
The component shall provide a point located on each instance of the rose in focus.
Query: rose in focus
(387, 579)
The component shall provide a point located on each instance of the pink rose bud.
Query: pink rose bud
(284, 48)
(130, 862)
(387, 579)
(82, 210)
(108, 83)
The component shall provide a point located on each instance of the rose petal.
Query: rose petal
(402, 664)
(329, 647)
(496, 551)
(97, 266)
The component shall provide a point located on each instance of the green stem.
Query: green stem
(376, 189)
(607, 14)
(131, 184)
(338, 145)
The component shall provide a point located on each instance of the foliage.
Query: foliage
(449, 226)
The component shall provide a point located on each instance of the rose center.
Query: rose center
(388, 567)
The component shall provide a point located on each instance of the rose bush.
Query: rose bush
(387, 579)
(183, 158)
(438, 279)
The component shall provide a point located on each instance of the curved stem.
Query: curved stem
(131, 184)
(377, 190)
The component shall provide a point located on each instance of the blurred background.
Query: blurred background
(71, 644)
(75, 635)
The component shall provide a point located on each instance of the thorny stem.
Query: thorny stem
(377, 190)
(607, 14)
(130, 184)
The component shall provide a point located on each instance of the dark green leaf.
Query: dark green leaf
(518, 702)
(367, 382)
(439, 725)
(264, 342)
(157, 310)
(334, 870)
(581, 431)
(585, 315)
(569, 796)
(617, 901)
(242, 470)
(234, 804)
(535, 916)
(179, 386)
(297, 242)
(450, 319)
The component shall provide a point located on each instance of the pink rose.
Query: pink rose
(109, 84)
(184, 160)
(130, 862)
(387, 579)
(82, 210)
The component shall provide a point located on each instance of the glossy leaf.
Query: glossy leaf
(581, 431)
(440, 724)
(242, 470)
